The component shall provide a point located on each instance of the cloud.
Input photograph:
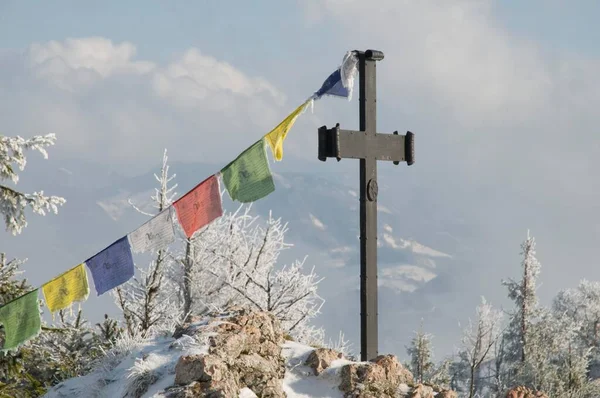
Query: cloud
(104, 103)
(454, 49)
(404, 278)
(77, 63)
(494, 96)
(506, 139)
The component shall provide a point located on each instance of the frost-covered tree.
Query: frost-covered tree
(12, 370)
(582, 306)
(13, 202)
(478, 341)
(234, 262)
(523, 294)
(146, 301)
(64, 350)
(498, 377)
(420, 354)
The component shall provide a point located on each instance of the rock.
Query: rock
(422, 391)
(381, 377)
(524, 392)
(213, 389)
(228, 346)
(394, 371)
(203, 368)
(367, 380)
(261, 375)
(244, 352)
(321, 358)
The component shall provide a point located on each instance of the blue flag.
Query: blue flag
(333, 86)
(112, 267)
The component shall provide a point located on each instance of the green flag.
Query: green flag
(21, 320)
(248, 178)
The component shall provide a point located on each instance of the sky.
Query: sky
(502, 97)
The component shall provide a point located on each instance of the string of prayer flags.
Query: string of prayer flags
(21, 320)
(112, 267)
(276, 136)
(200, 206)
(66, 289)
(156, 234)
(248, 178)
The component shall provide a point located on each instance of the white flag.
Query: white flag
(157, 233)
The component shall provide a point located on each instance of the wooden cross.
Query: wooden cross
(368, 146)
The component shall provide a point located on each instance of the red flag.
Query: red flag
(200, 206)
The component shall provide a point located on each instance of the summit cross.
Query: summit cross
(368, 146)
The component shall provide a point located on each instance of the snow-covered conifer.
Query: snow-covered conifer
(146, 301)
(420, 353)
(524, 295)
(13, 202)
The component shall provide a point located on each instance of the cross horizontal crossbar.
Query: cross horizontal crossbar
(351, 144)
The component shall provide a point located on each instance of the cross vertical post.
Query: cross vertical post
(368, 211)
(368, 146)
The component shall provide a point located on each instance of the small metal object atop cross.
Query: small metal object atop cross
(368, 146)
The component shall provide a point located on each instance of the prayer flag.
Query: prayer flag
(21, 320)
(156, 234)
(67, 288)
(248, 178)
(333, 86)
(277, 135)
(348, 71)
(112, 267)
(341, 82)
(200, 206)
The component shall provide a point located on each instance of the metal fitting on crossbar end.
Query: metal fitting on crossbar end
(374, 55)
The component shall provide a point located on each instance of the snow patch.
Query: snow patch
(282, 180)
(117, 206)
(150, 368)
(405, 278)
(409, 244)
(316, 222)
(419, 248)
(383, 209)
(300, 381)
(389, 239)
(343, 249)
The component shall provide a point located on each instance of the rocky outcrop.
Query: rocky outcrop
(524, 392)
(422, 391)
(321, 358)
(244, 351)
(381, 377)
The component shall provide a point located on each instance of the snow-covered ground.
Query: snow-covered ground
(152, 363)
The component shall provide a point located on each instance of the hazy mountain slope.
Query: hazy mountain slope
(322, 212)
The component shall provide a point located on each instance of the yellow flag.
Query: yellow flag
(67, 288)
(277, 135)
